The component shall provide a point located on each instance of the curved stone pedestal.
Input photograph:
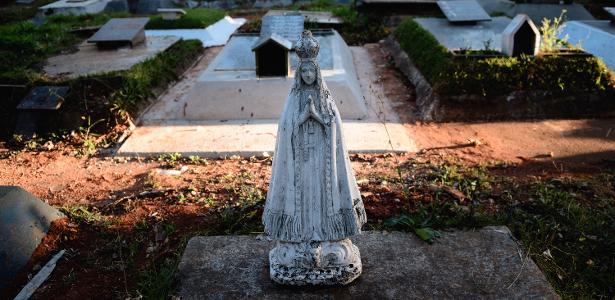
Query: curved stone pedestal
(315, 263)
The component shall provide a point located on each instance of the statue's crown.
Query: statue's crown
(307, 46)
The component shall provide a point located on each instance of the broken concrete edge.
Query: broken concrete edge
(229, 154)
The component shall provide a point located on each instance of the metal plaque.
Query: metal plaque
(121, 30)
(463, 11)
(44, 98)
(288, 25)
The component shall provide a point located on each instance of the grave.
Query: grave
(74, 7)
(485, 263)
(119, 32)
(472, 37)
(24, 221)
(216, 34)
(171, 13)
(521, 36)
(39, 110)
(595, 37)
(463, 11)
(319, 17)
(271, 56)
(89, 60)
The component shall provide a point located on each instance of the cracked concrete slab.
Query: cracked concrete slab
(479, 264)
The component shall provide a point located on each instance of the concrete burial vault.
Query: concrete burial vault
(223, 107)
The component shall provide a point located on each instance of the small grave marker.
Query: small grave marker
(171, 13)
(288, 25)
(119, 32)
(40, 105)
(521, 36)
(463, 11)
(271, 53)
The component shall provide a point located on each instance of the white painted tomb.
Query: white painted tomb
(74, 7)
(229, 88)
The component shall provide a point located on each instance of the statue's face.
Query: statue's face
(308, 73)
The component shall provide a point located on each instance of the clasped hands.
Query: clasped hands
(310, 111)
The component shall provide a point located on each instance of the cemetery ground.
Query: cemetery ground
(130, 218)
(551, 182)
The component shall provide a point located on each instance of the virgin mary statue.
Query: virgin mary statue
(313, 203)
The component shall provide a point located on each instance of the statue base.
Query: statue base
(315, 263)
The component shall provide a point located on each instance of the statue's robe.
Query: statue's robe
(313, 194)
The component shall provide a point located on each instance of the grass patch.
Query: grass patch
(140, 80)
(495, 76)
(24, 46)
(567, 225)
(194, 18)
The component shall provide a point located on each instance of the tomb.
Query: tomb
(171, 13)
(119, 32)
(271, 56)
(24, 221)
(521, 36)
(463, 11)
(73, 7)
(537, 12)
(38, 111)
(216, 34)
(595, 37)
(471, 37)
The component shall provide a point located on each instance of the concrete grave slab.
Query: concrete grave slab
(163, 131)
(231, 90)
(463, 11)
(550, 11)
(24, 221)
(90, 60)
(118, 31)
(474, 37)
(216, 34)
(481, 264)
(595, 37)
(74, 8)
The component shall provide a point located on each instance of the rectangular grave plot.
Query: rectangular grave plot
(463, 11)
(44, 98)
(289, 25)
(119, 32)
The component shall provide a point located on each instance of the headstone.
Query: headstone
(73, 7)
(119, 32)
(521, 36)
(313, 204)
(288, 25)
(24, 221)
(171, 13)
(39, 108)
(271, 55)
(463, 11)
